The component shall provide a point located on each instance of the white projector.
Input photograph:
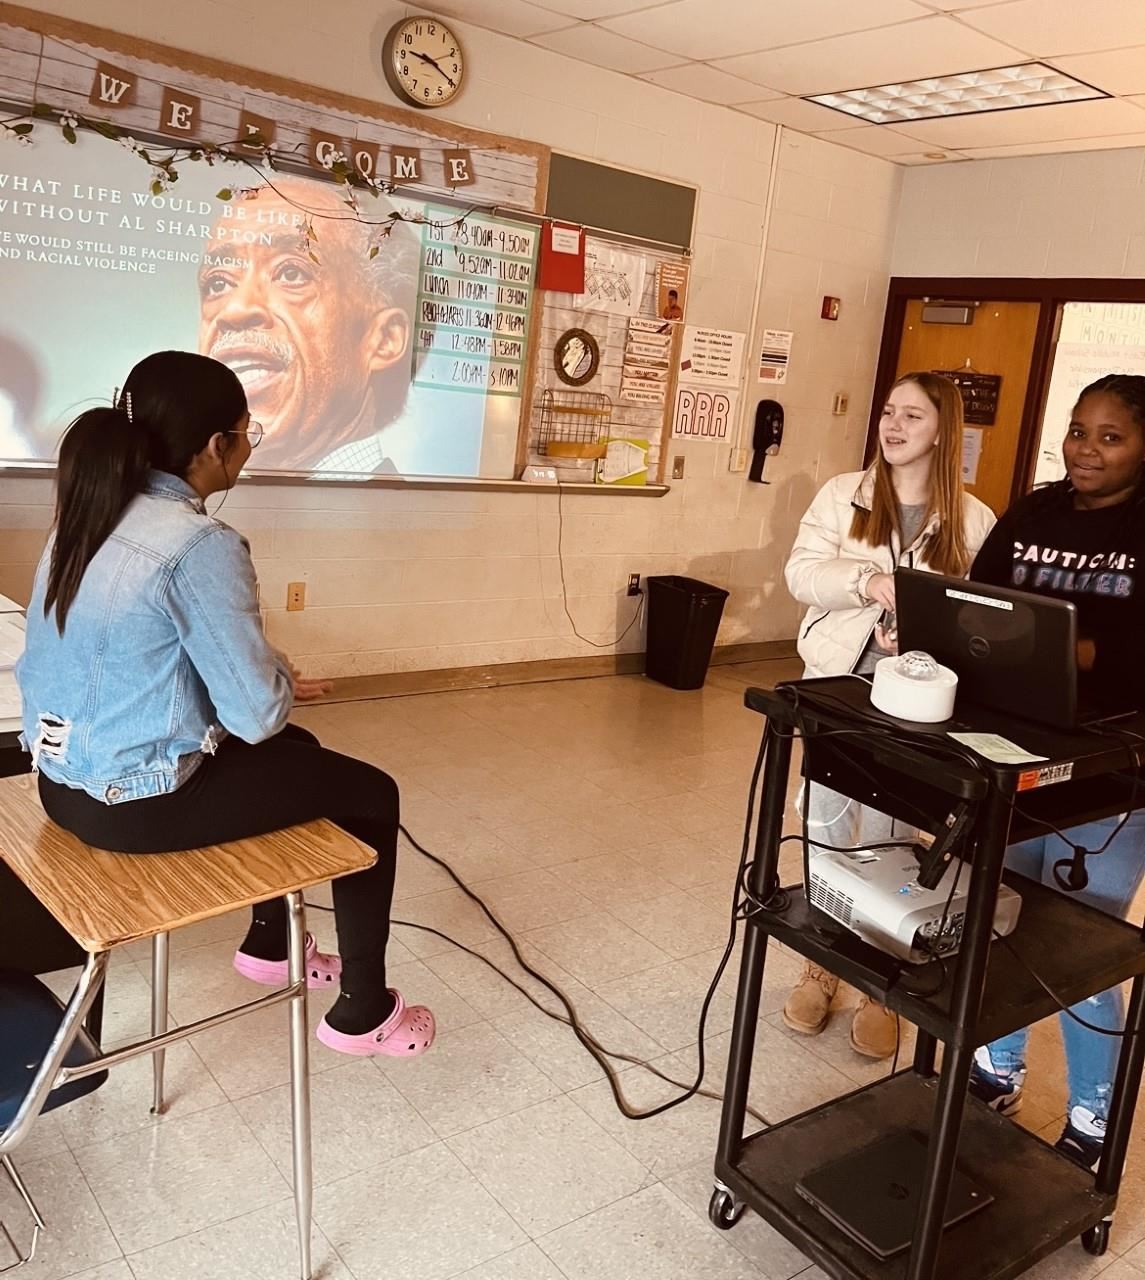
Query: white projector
(877, 896)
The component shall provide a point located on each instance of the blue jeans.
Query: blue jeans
(1114, 878)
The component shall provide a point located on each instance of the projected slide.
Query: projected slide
(410, 362)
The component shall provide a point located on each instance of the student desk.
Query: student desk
(1041, 1199)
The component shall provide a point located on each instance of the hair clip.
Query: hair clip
(127, 405)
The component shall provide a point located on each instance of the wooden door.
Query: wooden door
(1000, 342)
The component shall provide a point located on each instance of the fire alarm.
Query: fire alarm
(830, 309)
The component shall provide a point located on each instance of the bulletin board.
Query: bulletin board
(442, 389)
(629, 337)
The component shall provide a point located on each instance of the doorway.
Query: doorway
(989, 349)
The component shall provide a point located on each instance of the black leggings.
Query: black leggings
(244, 791)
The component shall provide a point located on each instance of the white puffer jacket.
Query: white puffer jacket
(826, 565)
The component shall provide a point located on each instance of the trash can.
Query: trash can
(683, 618)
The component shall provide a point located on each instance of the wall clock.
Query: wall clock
(423, 62)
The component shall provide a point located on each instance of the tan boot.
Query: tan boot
(875, 1030)
(809, 1006)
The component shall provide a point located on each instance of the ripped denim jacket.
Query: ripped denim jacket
(163, 654)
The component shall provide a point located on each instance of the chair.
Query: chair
(30, 1017)
(104, 900)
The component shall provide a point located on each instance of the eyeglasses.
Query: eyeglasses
(254, 433)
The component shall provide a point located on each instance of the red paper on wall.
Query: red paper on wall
(561, 266)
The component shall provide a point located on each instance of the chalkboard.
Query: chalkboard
(631, 204)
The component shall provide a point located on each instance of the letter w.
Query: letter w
(111, 89)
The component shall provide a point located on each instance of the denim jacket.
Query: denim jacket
(162, 655)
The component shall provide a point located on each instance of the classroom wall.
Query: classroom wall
(1073, 215)
(422, 580)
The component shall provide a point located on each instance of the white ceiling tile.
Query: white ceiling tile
(874, 139)
(917, 158)
(934, 46)
(1106, 117)
(511, 17)
(794, 113)
(590, 10)
(1120, 71)
(698, 80)
(706, 29)
(606, 49)
(1048, 27)
(1115, 143)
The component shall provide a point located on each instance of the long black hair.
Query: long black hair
(171, 405)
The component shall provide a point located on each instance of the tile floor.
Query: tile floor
(601, 819)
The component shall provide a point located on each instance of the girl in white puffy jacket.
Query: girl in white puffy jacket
(909, 508)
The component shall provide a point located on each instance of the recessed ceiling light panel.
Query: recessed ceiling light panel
(1032, 84)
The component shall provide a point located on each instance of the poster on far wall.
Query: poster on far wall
(775, 355)
(711, 357)
(613, 281)
(672, 291)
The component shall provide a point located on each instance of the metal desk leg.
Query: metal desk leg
(300, 1080)
(965, 1006)
(925, 1050)
(1125, 1090)
(160, 969)
(761, 881)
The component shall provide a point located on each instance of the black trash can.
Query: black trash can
(683, 618)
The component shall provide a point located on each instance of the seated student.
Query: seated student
(154, 708)
(909, 508)
(1083, 539)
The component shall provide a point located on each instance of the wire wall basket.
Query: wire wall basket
(574, 424)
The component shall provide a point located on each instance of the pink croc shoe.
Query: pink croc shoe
(321, 970)
(407, 1032)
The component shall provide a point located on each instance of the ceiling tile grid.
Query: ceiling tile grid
(764, 60)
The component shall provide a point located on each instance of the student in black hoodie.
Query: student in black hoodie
(1083, 540)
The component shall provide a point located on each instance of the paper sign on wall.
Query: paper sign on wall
(613, 281)
(647, 362)
(704, 413)
(971, 454)
(775, 355)
(672, 290)
(711, 357)
(561, 265)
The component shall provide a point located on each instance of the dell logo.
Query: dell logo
(979, 647)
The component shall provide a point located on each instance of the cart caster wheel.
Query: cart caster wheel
(723, 1210)
(1096, 1239)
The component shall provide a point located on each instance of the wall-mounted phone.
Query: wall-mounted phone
(766, 438)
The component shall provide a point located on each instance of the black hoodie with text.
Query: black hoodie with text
(1093, 558)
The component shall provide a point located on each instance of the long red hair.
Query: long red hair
(945, 550)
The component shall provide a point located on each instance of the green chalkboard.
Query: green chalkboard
(631, 204)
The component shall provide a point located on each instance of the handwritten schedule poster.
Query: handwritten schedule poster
(475, 292)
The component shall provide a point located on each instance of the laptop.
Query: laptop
(872, 1195)
(1012, 651)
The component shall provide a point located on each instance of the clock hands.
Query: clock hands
(436, 66)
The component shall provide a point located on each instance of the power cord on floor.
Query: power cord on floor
(596, 644)
(600, 1054)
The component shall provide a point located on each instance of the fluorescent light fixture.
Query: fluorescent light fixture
(1032, 84)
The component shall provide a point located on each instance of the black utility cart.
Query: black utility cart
(1040, 1199)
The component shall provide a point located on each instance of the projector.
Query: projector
(877, 896)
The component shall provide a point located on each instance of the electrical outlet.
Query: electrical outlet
(678, 467)
(737, 460)
(295, 596)
(633, 584)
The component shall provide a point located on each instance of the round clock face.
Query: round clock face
(423, 62)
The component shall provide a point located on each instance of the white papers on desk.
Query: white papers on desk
(10, 706)
(11, 639)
